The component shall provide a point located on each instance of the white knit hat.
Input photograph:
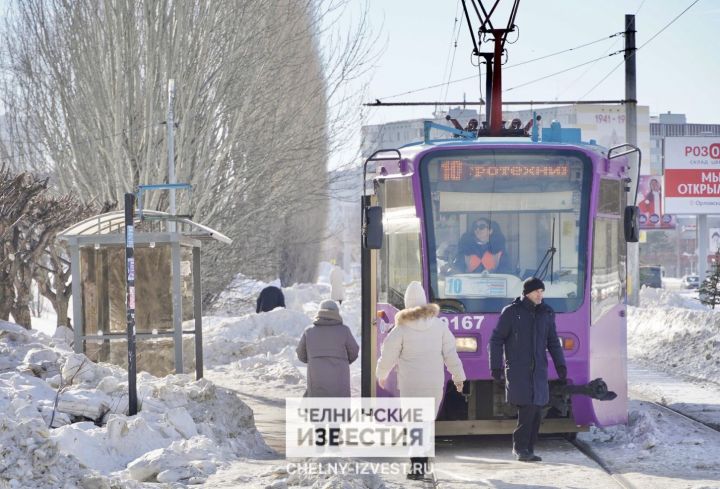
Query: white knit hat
(414, 295)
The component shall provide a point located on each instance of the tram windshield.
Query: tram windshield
(496, 217)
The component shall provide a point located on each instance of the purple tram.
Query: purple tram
(555, 208)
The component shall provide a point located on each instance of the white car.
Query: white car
(690, 282)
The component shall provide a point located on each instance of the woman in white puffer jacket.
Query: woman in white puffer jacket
(420, 344)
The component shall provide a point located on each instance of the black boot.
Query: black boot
(417, 468)
(526, 456)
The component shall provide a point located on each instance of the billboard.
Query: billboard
(713, 241)
(651, 205)
(692, 175)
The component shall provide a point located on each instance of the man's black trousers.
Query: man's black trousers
(528, 425)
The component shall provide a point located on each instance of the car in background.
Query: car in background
(690, 282)
(651, 276)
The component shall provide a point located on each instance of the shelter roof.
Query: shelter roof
(114, 222)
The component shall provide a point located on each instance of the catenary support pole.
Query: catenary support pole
(633, 249)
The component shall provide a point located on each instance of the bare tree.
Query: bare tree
(87, 91)
(18, 194)
(52, 271)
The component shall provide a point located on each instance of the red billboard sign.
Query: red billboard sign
(692, 175)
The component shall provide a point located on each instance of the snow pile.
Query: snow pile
(30, 458)
(273, 370)
(651, 297)
(657, 449)
(184, 432)
(228, 339)
(641, 432)
(675, 333)
(181, 423)
(238, 297)
(241, 294)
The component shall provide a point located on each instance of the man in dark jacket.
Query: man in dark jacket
(525, 331)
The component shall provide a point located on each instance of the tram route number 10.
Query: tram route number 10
(465, 323)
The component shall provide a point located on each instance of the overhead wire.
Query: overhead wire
(506, 68)
(587, 70)
(639, 48)
(562, 71)
(453, 44)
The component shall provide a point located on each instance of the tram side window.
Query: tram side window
(400, 261)
(609, 250)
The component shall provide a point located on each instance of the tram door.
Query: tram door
(388, 271)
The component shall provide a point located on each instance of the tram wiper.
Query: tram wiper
(547, 260)
(451, 306)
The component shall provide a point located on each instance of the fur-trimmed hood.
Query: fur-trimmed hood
(413, 314)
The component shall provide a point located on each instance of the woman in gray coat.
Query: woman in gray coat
(328, 348)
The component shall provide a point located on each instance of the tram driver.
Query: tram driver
(481, 248)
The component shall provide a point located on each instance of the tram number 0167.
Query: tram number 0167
(464, 323)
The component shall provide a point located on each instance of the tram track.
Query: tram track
(659, 406)
(689, 419)
(592, 455)
(445, 476)
(432, 482)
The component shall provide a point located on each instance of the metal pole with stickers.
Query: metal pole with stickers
(130, 300)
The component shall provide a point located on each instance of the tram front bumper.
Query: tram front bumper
(502, 427)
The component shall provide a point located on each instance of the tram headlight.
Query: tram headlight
(567, 342)
(466, 344)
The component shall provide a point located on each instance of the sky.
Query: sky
(677, 71)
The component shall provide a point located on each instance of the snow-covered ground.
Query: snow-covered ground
(674, 331)
(204, 432)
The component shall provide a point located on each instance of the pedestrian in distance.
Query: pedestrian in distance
(337, 286)
(270, 297)
(420, 344)
(525, 332)
(328, 347)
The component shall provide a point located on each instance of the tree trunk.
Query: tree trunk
(23, 297)
(7, 298)
(21, 313)
(61, 309)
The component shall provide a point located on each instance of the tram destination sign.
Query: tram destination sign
(692, 175)
(456, 170)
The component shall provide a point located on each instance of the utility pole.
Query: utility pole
(633, 249)
(171, 146)
(130, 301)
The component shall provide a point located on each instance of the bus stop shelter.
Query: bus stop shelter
(168, 299)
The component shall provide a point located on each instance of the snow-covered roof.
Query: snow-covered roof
(113, 222)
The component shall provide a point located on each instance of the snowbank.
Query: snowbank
(184, 432)
(675, 333)
(239, 298)
(227, 339)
